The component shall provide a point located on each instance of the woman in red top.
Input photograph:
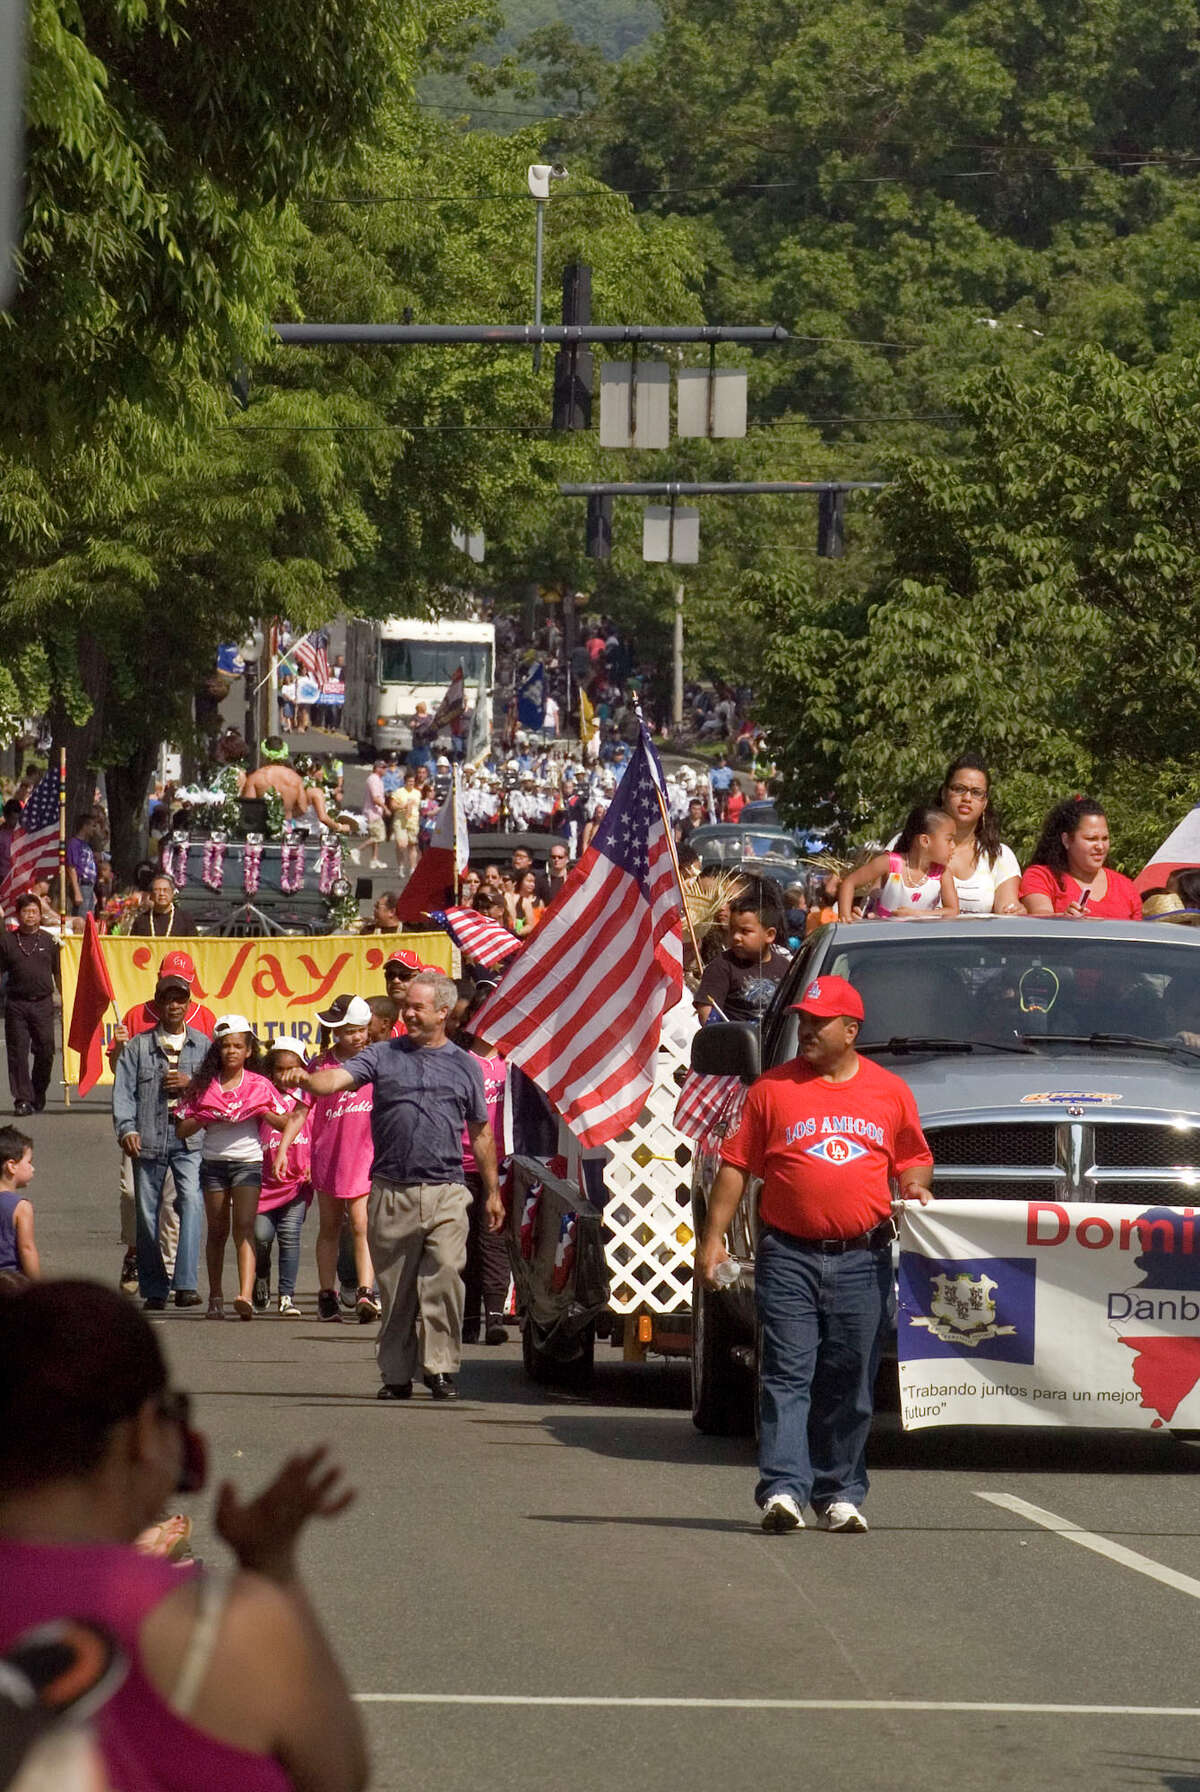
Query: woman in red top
(1068, 876)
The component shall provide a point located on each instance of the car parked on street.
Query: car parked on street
(1051, 1060)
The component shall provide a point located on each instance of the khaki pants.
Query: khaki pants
(417, 1233)
(168, 1219)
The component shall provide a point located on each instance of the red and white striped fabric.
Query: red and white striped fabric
(701, 1100)
(35, 841)
(454, 704)
(311, 655)
(481, 940)
(580, 1012)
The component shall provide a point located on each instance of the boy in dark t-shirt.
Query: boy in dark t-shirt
(741, 980)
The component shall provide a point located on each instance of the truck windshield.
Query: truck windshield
(935, 986)
(433, 662)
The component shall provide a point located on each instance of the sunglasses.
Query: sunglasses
(972, 790)
(176, 1407)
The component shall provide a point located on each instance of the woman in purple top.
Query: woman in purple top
(230, 1684)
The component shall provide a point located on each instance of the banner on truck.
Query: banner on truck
(1049, 1313)
(278, 984)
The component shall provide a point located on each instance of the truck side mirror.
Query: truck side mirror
(727, 1049)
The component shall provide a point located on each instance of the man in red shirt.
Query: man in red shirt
(827, 1133)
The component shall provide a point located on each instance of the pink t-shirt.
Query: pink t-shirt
(230, 1116)
(495, 1079)
(147, 1746)
(342, 1149)
(297, 1177)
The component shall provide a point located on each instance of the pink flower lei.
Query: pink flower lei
(329, 865)
(251, 868)
(214, 864)
(174, 862)
(291, 868)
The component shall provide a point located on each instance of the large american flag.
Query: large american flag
(35, 841)
(580, 1012)
(477, 936)
(311, 655)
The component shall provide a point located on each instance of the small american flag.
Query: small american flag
(454, 704)
(703, 1095)
(481, 940)
(310, 653)
(35, 840)
(581, 1010)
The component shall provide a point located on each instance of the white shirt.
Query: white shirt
(977, 893)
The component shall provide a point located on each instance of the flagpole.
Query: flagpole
(62, 908)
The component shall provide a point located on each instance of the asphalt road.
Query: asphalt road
(549, 1593)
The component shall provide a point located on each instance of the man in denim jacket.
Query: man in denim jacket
(153, 1073)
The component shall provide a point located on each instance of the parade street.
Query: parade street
(557, 1592)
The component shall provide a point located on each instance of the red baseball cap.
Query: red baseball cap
(827, 997)
(409, 960)
(177, 967)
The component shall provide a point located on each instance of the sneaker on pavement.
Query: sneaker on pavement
(327, 1306)
(495, 1330)
(288, 1307)
(781, 1513)
(262, 1294)
(348, 1298)
(366, 1306)
(841, 1515)
(129, 1279)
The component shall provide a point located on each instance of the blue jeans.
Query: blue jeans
(149, 1174)
(821, 1319)
(282, 1224)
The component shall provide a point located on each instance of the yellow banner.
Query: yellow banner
(278, 984)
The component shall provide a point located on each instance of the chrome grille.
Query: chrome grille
(1010, 1146)
(980, 1188)
(1145, 1194)
(1126, 1147)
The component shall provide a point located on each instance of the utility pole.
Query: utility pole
(677, 661)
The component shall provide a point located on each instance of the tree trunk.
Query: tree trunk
(127, 786)
(82, 739)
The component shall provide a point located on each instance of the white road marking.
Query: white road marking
(655, 1704)
(1102, 1546)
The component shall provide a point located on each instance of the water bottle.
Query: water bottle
(728, 1273)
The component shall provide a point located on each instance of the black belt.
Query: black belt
(874, 1240)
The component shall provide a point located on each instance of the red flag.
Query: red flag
(440, 865)
(93, 997)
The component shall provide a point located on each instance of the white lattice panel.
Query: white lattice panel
(648, 1175)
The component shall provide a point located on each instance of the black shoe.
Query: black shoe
(154, 1303)
(22, 1109)
(262, 1294)
(495, 1332)
(129, 1271)
(327, 1306)
(39, 1104)
(188, 1297)
(395, 1390)
(470, 1333)
(442, 1387)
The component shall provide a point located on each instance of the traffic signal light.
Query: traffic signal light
(831, 525)
(573, 364)
(598, 540)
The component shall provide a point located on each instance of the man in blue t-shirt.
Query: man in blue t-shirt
(426, 1091)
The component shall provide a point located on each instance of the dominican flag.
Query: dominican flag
(453, 706)
(35, 839)
(1178, 852)
(564, 1254)
(436, 877)
(580, 1012)
(477, 937)
(93, 998)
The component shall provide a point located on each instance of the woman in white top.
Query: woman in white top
(986, 873)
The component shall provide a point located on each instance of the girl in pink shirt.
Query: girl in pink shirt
(286, 1198)
(226, 1102)
(342, 1153)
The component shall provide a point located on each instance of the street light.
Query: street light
(540, 175)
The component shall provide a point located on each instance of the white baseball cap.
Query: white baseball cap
(287, 1042)
(354, 1013)
(232, 1023)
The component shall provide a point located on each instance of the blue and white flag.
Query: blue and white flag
(1049, 1313)
(531, 697)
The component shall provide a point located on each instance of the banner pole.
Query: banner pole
(62, 910)
(678, 874)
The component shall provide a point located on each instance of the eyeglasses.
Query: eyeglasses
(971, 790)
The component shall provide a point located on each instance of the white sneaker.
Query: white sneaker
(781, 1513)
(841, 1515)
(288, 1308)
